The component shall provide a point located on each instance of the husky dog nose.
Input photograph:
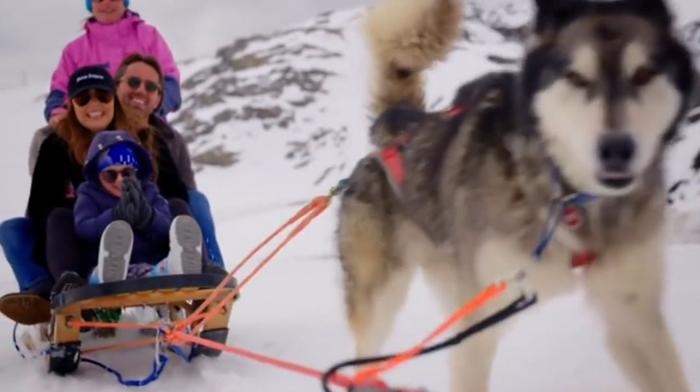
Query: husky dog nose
(616, 152)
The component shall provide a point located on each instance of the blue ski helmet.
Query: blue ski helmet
(117, 154)
(88, 4)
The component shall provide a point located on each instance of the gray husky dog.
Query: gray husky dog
(582, 128)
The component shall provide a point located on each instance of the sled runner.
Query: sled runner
(175, 291)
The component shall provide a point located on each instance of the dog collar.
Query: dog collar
(573, 217)
(569, 209)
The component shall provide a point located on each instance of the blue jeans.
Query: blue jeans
(17, 242)
(201, 212)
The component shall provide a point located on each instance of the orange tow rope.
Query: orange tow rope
(337, 379)
(308, 213)
(490, 293)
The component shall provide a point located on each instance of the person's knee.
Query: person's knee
(200, 208)
(179, 207)
(198, 198)
(60, 214)
(60, 218)
(13, 231)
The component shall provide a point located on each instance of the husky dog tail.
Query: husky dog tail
(406, 37)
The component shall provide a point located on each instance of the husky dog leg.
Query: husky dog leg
(376, 280)
(627, 290)
(470, 361)
(372, 310)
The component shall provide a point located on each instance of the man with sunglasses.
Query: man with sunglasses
(140, 82)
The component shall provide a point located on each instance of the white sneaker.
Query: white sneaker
(185, 255)
(115, 252)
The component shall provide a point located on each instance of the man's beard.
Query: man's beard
(137, 117)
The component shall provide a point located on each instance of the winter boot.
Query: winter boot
(69, 280)
(115, 252)
(185, 255)
(30, 306)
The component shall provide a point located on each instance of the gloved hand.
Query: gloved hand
(133, 206)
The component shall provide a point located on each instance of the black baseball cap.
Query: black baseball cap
(91, 77)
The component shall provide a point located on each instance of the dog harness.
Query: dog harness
(567, 209)
(570, 210)
(392, 159)
(392, 162)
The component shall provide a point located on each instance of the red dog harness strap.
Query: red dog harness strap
(573, 217)
(391, 159)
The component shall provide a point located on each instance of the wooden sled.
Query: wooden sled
(176, 291)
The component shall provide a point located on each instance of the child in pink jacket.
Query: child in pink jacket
(112, 33)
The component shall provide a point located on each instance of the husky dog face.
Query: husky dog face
(606, 85)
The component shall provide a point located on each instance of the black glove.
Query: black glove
(133, 206)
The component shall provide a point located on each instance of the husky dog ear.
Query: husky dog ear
(657, 10)
(543, 6)
(553, 13)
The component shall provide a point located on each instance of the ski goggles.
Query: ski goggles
(86, 96)
(134, 82)
(111, 175)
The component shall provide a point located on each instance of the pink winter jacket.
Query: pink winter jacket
(108, 45)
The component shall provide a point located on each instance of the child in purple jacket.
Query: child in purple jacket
(111, 34)
(120, 206)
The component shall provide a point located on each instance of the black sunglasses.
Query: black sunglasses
(86, 96)
(134, 82)
(111, 175)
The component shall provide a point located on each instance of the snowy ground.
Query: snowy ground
(294, 311)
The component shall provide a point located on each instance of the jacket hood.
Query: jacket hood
(116, 32)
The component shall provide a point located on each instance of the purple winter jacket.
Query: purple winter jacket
(108, 45)
(94, 206)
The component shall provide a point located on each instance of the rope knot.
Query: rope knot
(341, 187)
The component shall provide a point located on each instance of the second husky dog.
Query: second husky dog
(589, 116)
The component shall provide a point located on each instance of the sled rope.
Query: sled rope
(339, 380)
(306, 215)
(160, 362)
(157, 370)
(490, 293)
(370, 376)
(520, 304)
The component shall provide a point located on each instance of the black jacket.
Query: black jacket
(57, 175)
(54, 181)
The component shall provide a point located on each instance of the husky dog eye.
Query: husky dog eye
(576, 79)
(643, 75)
